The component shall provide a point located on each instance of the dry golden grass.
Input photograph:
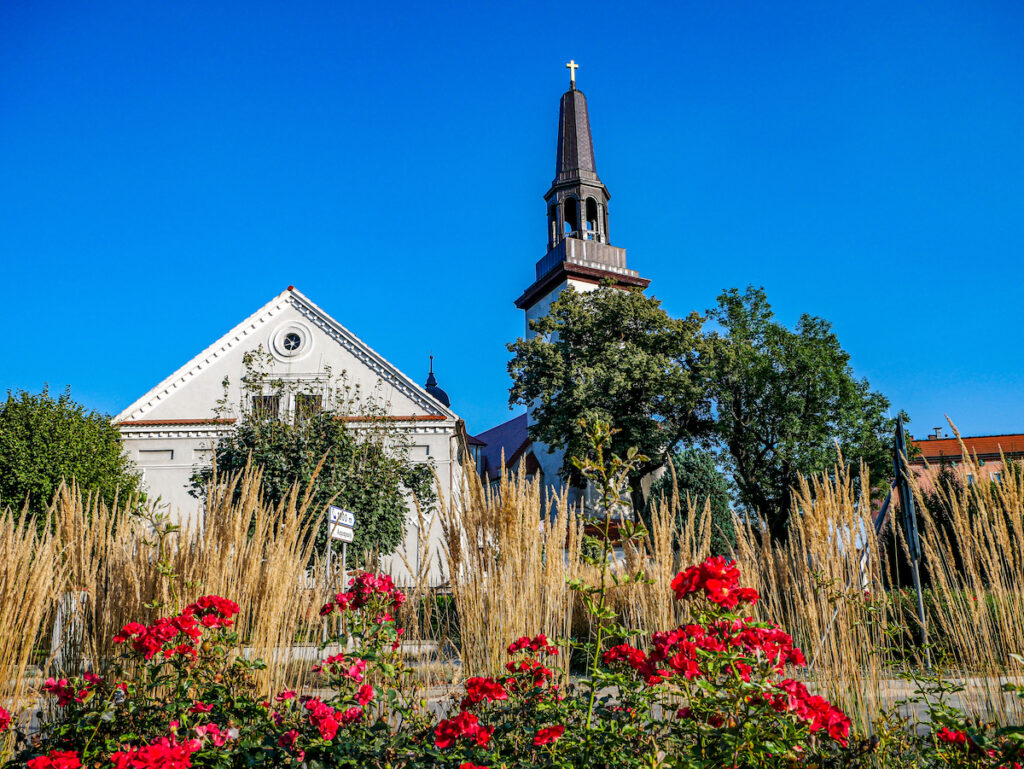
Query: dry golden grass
(827, 585)
(107, 566)
(509, 556)
(30, 575)
(827, 592)
(834, 597)
(666, 548)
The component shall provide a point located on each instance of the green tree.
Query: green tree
(44, 441)
(615, 356)
(698, 480)
(359, 473)
(785, 402)
(366, 466)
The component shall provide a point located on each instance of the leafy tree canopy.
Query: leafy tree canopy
(775, 403)
(366, 466)
(613, 356)
(360, 473)
(784, 401)
(699, 482)
(44, 441)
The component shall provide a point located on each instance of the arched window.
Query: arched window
(593, 220)
(572, 216)
(552, 225)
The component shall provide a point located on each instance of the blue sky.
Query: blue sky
(167, 168)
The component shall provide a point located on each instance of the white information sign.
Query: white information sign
(340, 523)
(340, 526)
(339, 517)
(344, 533)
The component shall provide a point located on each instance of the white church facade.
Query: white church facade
(171, 430)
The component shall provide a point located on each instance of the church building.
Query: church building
(580, 254)
(171, 430)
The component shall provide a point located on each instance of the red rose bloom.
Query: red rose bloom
(326, 719)
(632, 657)
(952, 736)
(465, 724)
(56, 759)
(482, 690)
(718, 578)
(165, 753)
(547, 734)
(288, 739)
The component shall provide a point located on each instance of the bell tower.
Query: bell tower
(577, 201)
(579, 250)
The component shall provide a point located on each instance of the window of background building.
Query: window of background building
(306, 405)
(266, 406)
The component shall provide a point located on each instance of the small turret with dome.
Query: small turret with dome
(432, 388)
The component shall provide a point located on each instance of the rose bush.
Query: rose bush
(717, 691)
(713, 692)
(184, 696)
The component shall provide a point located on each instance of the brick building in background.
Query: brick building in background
(989, 451)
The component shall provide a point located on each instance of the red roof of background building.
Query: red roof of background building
(171, 422)
(984, 446)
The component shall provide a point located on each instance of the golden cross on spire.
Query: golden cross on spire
(572, 66)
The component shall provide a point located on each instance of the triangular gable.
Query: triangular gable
(241, 333)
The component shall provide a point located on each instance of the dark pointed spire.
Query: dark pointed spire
(578, 200)
(575, 157)
(579, 248)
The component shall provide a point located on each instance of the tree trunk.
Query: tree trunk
(636, 497)
(778, 524)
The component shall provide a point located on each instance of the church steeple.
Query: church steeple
(575, 145)
(579, 249)
(577, 201)
(579, 255)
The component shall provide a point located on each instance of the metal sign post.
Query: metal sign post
(341, 526)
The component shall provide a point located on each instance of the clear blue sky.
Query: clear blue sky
(169, 167)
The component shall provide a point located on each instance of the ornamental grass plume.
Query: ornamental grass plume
(496, 541)
(427, 616)
(815, 585)
(830, 583)
(510, 555)
(31, 575)
(671, 542)
(136, 565)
